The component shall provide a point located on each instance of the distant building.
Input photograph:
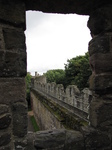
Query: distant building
(37, 74)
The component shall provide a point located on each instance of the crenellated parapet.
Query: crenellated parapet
(71, 95)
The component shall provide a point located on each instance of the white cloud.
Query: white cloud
(53, 38)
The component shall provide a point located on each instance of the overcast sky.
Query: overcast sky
(51, 39)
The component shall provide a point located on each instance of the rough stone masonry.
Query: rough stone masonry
(13, 106)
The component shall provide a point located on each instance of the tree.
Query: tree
(77, 71)
(56, 75)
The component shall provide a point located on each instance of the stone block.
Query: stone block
(58, 140)
(5, 121)
(14, 40)
(100, 21)
(12, 64)
(95, 140)
(13, 12)
(99, 44)
(8, 147)
(20, 119)
(101, 84)
(50, 139)
(1, 40)
(5, 139)
(12, 90)
(101, 63)
(4, 109)
(101, 113)
(21, 144)
(74, 141)
(30, 141)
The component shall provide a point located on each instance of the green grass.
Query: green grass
(35, 126)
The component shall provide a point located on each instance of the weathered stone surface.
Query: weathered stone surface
(14, 40)
(69, 6)
(5, 121)
(50, 114)
(4, 109)
(6, 147)
(72, 90)
(20, 119)
(21, 144)
(71, 98)
(12, 64)
(12, 11)
(101, 83)
(1, 40)
(74, 141)
(95, 140)
(12, 90)
(59, 140)
(100, 50)
(5, 139)
(100, 44)
(45, 117)
(101, 63)
(30, 141)
(101, 112)
(50, 139)
(100, 21)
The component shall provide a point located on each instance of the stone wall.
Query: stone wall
(41, 79)
(49, 114)
(71, 98)
(13, 107)
(45, 117)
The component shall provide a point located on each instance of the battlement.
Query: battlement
(71, 96)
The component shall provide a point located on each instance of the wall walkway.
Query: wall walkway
(53, 98)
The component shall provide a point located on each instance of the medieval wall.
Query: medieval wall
(41, 79)
(45, 117)
(71, 98)
(49, 114)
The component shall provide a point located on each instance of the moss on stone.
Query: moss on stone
(67, 119)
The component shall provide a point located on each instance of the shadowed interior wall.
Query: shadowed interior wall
(13, 107)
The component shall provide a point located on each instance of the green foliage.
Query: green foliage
(28, 82)
(77, 71)
(34, 124)
(56, 76)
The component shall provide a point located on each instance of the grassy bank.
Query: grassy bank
(34, 124)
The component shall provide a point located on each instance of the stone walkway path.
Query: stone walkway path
(30, 126)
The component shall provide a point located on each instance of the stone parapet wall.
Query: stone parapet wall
(50, 114)
(43, 112)
(71, 98)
